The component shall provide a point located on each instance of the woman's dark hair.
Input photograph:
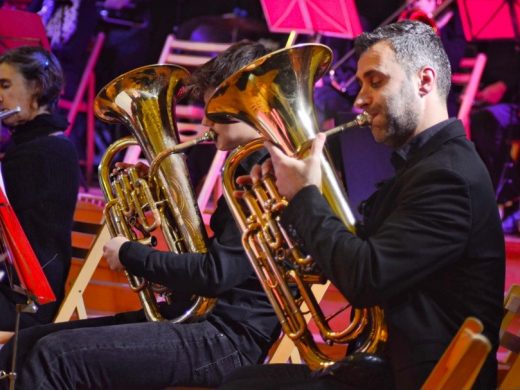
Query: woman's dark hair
(216, 70)
(41, 69)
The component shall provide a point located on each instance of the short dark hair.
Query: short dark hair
(415, 45)
(211, 74)
(41, 69)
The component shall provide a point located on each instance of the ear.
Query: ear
(427, 79)
(34, 100)
(34, 104)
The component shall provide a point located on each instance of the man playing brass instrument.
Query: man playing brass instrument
(431, 249)
(134, 354)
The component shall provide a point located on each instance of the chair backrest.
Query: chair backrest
(88, 218)
(461, 362)
(188, 53)
(86, 78)
(83, 101)
(510, 340)
(468, 77)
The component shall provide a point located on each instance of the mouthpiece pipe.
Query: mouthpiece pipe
(362, 119)
(6, 113)
(154, 166)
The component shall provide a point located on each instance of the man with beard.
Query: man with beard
(431, 251)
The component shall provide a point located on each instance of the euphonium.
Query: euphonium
(274, 95)
(144, 101)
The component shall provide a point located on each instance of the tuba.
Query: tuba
(274, 95)
(143, 100)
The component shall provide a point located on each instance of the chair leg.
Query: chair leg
(91, 128)
(74, 299)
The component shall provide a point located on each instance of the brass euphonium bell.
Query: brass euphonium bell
(144, 101)
(274, 95)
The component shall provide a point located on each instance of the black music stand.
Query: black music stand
(21, 28)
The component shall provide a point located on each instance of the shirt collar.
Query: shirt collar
(403, 154)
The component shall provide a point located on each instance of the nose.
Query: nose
(362, 100)
(207, 122)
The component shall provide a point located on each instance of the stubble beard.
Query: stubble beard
(402, 116)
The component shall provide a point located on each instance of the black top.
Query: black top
(243, 311)
(432, 251)
(41, 176)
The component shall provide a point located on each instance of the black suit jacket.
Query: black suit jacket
(432, 253)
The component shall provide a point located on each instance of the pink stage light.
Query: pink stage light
(338, 18)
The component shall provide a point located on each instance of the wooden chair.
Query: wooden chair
(188, 53)
(108, 291)
(510, 341)
(87, 241)
(469, 78)
(83, 102)
(461, 362)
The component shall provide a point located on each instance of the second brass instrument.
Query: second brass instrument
(144, 101)
(274, 95)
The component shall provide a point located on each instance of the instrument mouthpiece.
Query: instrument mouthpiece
(6, 113)
(363, 119)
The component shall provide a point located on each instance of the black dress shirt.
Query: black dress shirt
(243, 311)
(41, 175)
(432, 253)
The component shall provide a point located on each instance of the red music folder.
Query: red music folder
(338, 18)
(21, 255)
(489, 19)
(21, 28)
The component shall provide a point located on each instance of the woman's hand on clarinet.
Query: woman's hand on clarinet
(111, 252)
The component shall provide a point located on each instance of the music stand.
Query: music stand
(490, 19)
(495, 20)
(335, 18)
(33, 282)
(21, 28)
